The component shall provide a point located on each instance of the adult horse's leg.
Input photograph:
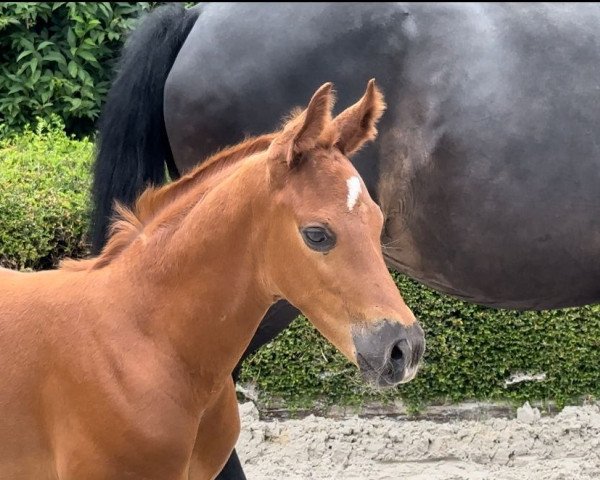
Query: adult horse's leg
(275, 321)
(232, 470)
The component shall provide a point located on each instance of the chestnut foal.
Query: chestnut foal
(119, 366)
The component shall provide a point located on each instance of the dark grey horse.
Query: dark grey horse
(487, 165)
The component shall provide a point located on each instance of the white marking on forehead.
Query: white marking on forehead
(354, 190)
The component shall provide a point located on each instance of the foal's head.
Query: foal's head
(324, 241)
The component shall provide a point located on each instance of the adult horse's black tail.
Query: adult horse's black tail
(132, 147)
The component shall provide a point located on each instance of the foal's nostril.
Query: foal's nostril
(399, 358)
(389, 352)
(397, 353)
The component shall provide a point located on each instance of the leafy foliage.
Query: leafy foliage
(44, 184)
(58, 57)
(471, 350)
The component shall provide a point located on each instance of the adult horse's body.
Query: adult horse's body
(120, 366)
(488, 162)
(487, 166)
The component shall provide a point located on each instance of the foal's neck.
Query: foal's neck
(200, 279)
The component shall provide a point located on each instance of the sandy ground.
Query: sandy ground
(561, 447)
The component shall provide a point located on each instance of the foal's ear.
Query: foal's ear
(310, 124)
(357, 124)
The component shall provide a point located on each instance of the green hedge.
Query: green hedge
(44, 184)
(58, 57)
(471, 350)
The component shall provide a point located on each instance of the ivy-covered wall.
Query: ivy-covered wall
(473, 353)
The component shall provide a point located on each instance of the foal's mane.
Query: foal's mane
(127, 224)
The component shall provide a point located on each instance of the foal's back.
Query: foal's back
(33, 316)
(29, 314)
(47, 365)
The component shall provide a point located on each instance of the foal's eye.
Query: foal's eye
(318, 238)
